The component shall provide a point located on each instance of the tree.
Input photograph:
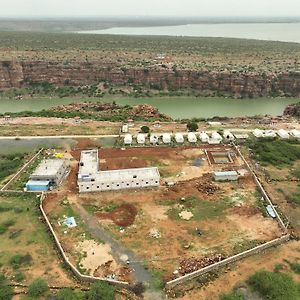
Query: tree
(145, 129)
(6, 292)
(192, 126)
(37, 287)
(66, 294)
(101, 291)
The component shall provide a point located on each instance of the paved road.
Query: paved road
(140, 273)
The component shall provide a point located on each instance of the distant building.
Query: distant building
(128, 139)
(166, 137)
(179, 138)
(283, 134)
(226, 176)
(92, 179)
(192, 138)
(124, 128)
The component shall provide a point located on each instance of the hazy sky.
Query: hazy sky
(57, 8)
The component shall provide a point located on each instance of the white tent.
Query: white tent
(140, 138)
(258, 133)
(192, 138)
(204, 137)
(296, 133)
(216, 136)
(270, 133)
(127, 139)
(179, 138)
(228, 135)
(166, 137)
(283, 134)
(153, 139)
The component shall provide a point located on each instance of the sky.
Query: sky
(75, 8)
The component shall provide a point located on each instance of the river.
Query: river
(285, 32)
(176, 107)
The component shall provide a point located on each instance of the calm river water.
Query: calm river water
(176, 107)
(286, 32)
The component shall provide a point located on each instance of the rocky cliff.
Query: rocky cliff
(292, 110)
(246, 84)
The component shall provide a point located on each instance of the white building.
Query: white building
(154, 139)
(192, 138)
(166, 137)
(124, 128)
(269, 133)
(91, 179)
(52, 170)
(226, 176)
(141, 139)
(228, 135)
(283, 134)
(128, 139)
(179, 138)
(258, 133)
(295, 133)
(204, 137)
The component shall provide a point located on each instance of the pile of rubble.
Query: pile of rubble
(189, 265)
(207, 187)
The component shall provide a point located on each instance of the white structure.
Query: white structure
(124, 128)
(269, 133)
(204, 137)
(258, 133)
(228, 135)
(283, 134)
(52, 170)
(179, 138)
(215, 138)
(141, 139)
(192, 138)
(166, 137)
(226, 176)
(241, 136)
(296, 133)
(154, 139)
(128, 139)
(91, 179)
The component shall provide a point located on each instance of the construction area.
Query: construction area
(204, 209)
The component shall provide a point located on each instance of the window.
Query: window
(107, 186)
(118, 185)
(156, 181)
(137, 183)
(147, 182)
(98, 187)
(134, 176)
(127, 184)
(87, 187)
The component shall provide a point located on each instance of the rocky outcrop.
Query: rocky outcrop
(292, 110)
(246, 84)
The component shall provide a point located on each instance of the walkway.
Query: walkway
(139, 271)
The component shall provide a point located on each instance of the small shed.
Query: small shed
(166, 137)
(153, 139)
(204, 137)
(124, 128)
(38, 186)
(192, 138)
(296, 133)
(228, 136)
(283, 134)
(226, 176)
(140, 138)
(179, 138)
(128, 139)
(216, 136)
(258, 133)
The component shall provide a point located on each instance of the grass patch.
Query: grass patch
(10, 163)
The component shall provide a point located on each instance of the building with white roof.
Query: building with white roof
(192, 138)
(141, 139)
(204, 137)
(179, 138)
(128, 139)
(283, 134)
(92, 179)
(154, 139)
(228, 135)
(166, 137)
(295, 133)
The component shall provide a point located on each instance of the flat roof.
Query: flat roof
(38, 182)
(226, 173)
(89, 163)
(127, 174)
(48, 167)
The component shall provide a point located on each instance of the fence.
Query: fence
(227, 261)
(78, 275)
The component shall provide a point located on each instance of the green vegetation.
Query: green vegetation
(274, 286)
(6, 292)
(5, 225)
(231, 296)
(101, 291)
(17, 260)
(145, 129)
(296, 172)
(201, 209)
(37, 288)
(192, 126)
(275, 152)
(10, 163)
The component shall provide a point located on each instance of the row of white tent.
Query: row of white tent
(192, 137)
(281, 133)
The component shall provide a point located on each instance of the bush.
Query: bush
(37, 288)
(145, 129)
(17, 260)
(274, 286)
(101, 291)
(6, 292)
(66, 294)
(231, 296)
(192, 126)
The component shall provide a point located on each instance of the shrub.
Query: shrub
(192, 126)
(231, 296)
(275, 286)
(17, 260)
(66, 294)
(37, 288)
(145, 129)
(6, 292)
(101, 291)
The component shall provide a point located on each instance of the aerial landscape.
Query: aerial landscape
(150, 150)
